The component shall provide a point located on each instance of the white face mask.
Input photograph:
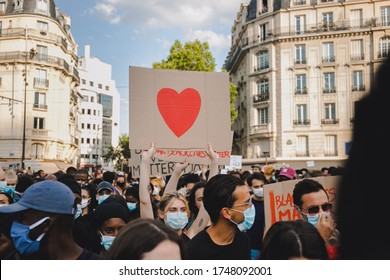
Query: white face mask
(258, 192)
(85, 202)
(156, 191)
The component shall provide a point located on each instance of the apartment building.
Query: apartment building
(38, 86)
(300, 66)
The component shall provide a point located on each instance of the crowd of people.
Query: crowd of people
(73, 214)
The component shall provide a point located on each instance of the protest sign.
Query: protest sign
(179, 110)
(279, 203)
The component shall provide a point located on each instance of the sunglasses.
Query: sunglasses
(326, 207)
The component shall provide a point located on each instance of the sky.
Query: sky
(127, 33)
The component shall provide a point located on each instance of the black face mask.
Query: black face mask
(120, 184)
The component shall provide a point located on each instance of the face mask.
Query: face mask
(258, 192)
(22, 242)
(17, 196)
(1, 205)
(3, 184)
(249, 218)
(132, 205)
(9, 189)
(106, 241)
(102, 198)
(313, 219)
(85, 202)
(78, 211)
(120, 184)
(177, 220)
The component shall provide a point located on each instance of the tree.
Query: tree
(194, 56)
(120, 154)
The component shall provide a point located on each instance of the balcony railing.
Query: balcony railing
(260, 97)
(328, 59)
(358, 88)
(300, 61)
(40, 132)
(301, 122)
(357, 57)
(300, 2)
(330, 154)
(383, 53)
(329, 121)
(329, 90)
(41, 83)
(301, 91)
(261, 67)
(40, 106)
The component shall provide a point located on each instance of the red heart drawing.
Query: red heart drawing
(179, 110)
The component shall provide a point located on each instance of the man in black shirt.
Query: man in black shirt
(228, 202)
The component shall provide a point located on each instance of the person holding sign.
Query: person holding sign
(312, 203)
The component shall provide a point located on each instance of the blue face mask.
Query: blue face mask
(102, 198)
(22, 242)
(106, 241)
(3, 184)
(132, 205)
(249, 218)
(78, 211)
(177, 220)
(313, 219)
(17, 196)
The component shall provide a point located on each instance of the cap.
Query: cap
(104, 185)
(288, 172)
(256, 166)
(48, 196)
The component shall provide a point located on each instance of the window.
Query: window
(328, 52)
(83, 111)
(301, 114)
(42, 5)
(262, 91)
(85, 98)
(40, 79)
(2, 7)
(329, 83)
(384, 47)
(88, 126)
(263, 32)
(385, 16)
(301, 84)
(94, 112)
(92, 99)
(262, 60)
(357, 50)
(330, 111)
(40, 100)
(88, 111)
(43, 26)
(330, 145)
(300, 54)
(82, 126)
(83, 81)
(37, 151)
(91, 83)
(327, 17)
(356, 18)
(82, 140)
(88, 140)
(300, 24)
(302, 146)
(107, 88)
(262, 115)
(100, 86)
(39, 123)
(42, 52)
(358, 84)
(106, 101)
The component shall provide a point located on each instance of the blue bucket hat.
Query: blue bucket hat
(47, 196)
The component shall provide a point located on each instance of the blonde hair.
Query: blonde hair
(168, 198)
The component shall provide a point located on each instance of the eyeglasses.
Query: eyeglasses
(313, 210)
(249, 204)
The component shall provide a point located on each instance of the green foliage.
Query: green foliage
(195, 56)
(120, 154)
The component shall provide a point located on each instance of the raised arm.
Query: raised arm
(146, 209)
(172, 182)
(213, 156)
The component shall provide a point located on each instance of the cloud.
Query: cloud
(169, 13)
(217, 41)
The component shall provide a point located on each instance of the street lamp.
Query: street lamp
(266, 155)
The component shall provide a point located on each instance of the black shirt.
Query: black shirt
(202, 247)
(255, 233)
